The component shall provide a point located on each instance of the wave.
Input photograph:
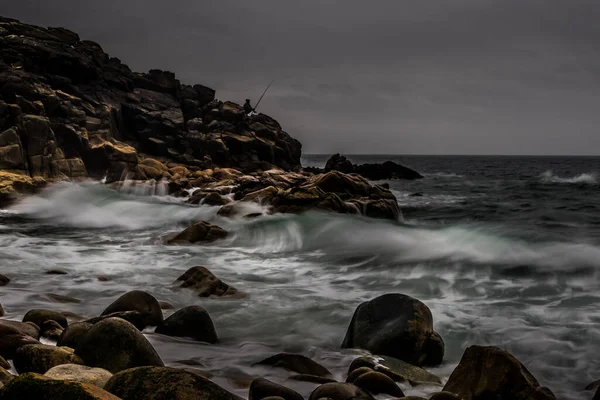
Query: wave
(585, 178)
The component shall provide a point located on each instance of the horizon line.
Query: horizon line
(452, 155)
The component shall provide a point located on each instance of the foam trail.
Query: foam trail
(585, 178)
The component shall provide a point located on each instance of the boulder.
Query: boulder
(193, 322)
(339, 163)
(261, 388)
(135, 318)
(205, 283)
(339, 391)
(40, 358)
(396, 325)
(444, 396)
(140, 301)
(3, 363)
(4, 280)
(1, 311)
(296, 363)
(38, 387)
(24, 328)
(162, 383)
(38, 317)
(115, 344)
(5, 376)
(51, 330)
(396, 369)
(490, 372)
(378, 383)
(199, 232)
(73, 335)
(79, 373)
(353, 374)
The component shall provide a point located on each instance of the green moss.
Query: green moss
(35, 386)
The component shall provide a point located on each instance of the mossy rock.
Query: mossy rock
(41, 357)
(34, 386)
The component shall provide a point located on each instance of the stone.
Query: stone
(140, 301)
(311, 378)
(5, 376)
(396, 369)
(38, 317)
(205, 283)
(352, 375)
(71, 337)
(490, 372)
(24, 328)
(339, 391)
(136, 318)
(4, 364)
(199, 232)
(79, 373)
(56, 272)
(40, 358)
(115, 344)
(444, 396)
(378, 383)
(1, 311)
(163, 383)
(296, 363)
(51, 330)
(339, 163)
(261, 388)
(193, 322)
(4, 280)
(39, 387)
(396, 325)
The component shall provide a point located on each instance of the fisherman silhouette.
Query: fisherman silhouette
(248, 107)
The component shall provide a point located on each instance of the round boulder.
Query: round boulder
(24, 328)
(340, 391)
(10, 343)
(71, 337)
(199, 232)
(353, 375)
(296, 363)
(261, 388)
(396, 325)
(138, 300)
(38, 317)
(51, 330)
(193, 322)
(135, 318)
(378, 383)
(38, 387)
(4, 280)
(79, 373)
(114, 344)
(40, 358)
(162, 383)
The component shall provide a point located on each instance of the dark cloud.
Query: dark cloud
(412, 76)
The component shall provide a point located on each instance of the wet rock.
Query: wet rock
(79, 373)
(396, 369)
(208, 198)
(38, 387)
(444, 396)
(154, 383)
(261, 388)
(135, 318)
(1, 311)
(356, 373)
(115, 344)
(103, 278)
(51, 330)
(378, 383)
(165, 305)
(38, 317)
(205, 283)
(56, 272)
(339, 163)
(340, 391)
(490, 372)
(10, 343)
(193, 322)
(140, 301)
(24, 328)
(4, 280)
(72, 336)
(4, 363)
(199, 232)
(396, 325)
(311, 378)
(5, 376)
(297, 363)
(59, 298)
(40, 358)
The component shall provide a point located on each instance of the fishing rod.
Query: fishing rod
(261, 97)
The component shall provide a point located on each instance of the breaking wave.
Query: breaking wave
(586, 178)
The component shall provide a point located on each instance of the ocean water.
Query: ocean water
(504, 250)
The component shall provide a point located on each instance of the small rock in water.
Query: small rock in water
(339, 391)
(205, 283)
(199, 232)
(491, 371)
(51, 330)
(378, 383)
(193, 322)
(262, 388)
(59, 298)
(115, 344)
(1, 311)
(396, 369)
(38, 317)
(103, 278)
(140, 301)
(40, 358)
(56, 272)
(38, 387)
(163, 383)
(4, 280)
(79, 373)
(297, 363)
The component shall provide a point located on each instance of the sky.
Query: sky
(387, 76)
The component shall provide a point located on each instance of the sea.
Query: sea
(505, 251)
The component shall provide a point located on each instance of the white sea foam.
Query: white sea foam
(585, 178)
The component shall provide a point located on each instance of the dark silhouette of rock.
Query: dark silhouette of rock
(72, 336)
(296, 363)
(135, 318)
(374, 172)
(205, 283)
(396, 325)
(51, 330)
(38, 317)
(339, 163)
(4, 280)
(378, 383)
(193, 322)
(261, 388)
(486, 372)
(199, 232)
(163, 383)
(140, 301)
(396, 369)
(339, 391)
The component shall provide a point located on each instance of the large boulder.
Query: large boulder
(4, 280)
(79, 373)
(38, 387)
(115, 344)
(339, 163)
(154, 383)
(486, 372)
(140, 301)
(339, 391)
(396, 325)
(296, 363)
(199, 232)
(193, 322)
(40, 358)
(377, 383)
(205, 283)
(261, 388)
(73, 335)
(38, 317)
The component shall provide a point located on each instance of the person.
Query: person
(247, 107)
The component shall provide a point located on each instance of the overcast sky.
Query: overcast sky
(387, 76)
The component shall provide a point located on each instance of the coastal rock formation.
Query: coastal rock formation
(35, 386)
(374, 172)
(193, 322)
(140, 301)
(205, 283)
(396, 325)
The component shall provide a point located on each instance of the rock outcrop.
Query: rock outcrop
(374, 172)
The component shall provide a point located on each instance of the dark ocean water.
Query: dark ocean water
(504, 250)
